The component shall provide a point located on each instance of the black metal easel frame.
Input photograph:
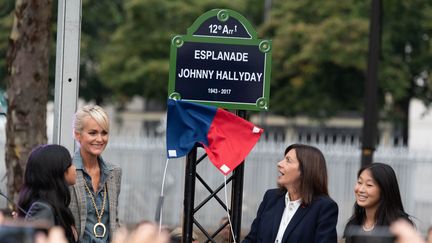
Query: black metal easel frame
(189, 210)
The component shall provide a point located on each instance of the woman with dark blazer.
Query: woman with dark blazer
(300, 210)
(45, 193)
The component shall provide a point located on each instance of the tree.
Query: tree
(27, 86)
(406, 58)
(136, 61)
(319, 56)
(99, 19)
(6, 18)
(320, 50)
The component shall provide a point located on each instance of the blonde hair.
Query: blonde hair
(94, 111)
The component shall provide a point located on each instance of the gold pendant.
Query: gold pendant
(103, 230)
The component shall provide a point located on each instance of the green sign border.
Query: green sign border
(223, 14)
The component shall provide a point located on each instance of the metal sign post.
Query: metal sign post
(370, 116)
(67, 71)
(219, 62)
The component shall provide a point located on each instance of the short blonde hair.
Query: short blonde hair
(94, 111)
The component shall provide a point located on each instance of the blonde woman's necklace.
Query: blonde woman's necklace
(99, 214)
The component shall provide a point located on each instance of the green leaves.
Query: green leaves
(319, 57)
(135, 61)
(6, 19)
(319, 50)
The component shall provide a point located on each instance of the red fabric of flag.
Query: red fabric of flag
(230, 139)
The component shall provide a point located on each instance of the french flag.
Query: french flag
(226, 138)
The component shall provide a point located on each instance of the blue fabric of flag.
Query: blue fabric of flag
(187, 123)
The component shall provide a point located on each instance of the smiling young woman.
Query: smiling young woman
(378, 202)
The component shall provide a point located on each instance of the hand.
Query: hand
(405, 232)
(55, 235)
(144, 233)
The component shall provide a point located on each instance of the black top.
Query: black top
(380, 234)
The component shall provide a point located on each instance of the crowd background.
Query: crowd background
(142, 160)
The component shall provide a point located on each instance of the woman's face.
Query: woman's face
(367, 191)
(93, 138)
(70, 175)
(289, 169)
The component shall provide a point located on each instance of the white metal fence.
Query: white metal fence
(142, 160)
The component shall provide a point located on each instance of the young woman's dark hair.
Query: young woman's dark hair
(390, 206)
(44, 180)
(313, 172)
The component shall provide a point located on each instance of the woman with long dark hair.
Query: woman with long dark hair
(45, 193)
(378, 202)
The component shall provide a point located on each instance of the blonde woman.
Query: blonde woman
(94, 197)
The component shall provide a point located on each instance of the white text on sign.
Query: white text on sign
(221, 55)
(220, 75)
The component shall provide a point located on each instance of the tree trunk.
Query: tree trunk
(27, 86)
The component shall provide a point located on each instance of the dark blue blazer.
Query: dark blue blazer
(315, 223)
